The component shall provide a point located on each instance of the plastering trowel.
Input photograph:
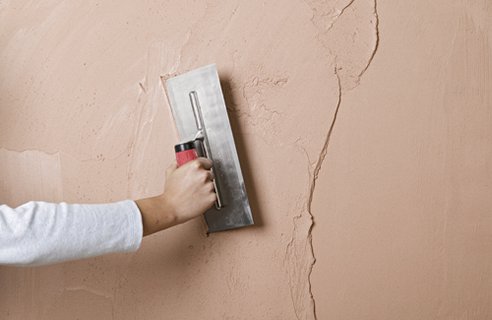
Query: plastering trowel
(200, 115)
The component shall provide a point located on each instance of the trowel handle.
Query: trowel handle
(201, 151)
(185, 152)
(191, 150)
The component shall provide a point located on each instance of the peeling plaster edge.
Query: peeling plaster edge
(334, 18)
(315, 175)
(60, 153)
(324, 151)
(88, 290)
(342, 11)
(21, 151)
(376, 33)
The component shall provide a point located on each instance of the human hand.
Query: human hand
(188, 193)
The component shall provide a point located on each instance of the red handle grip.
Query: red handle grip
(185, 156)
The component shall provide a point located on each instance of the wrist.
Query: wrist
(156, 214)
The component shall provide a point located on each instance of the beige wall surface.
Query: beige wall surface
(364, 130)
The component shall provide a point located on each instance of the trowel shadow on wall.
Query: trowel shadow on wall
(242, 150)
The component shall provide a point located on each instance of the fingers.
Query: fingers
(199, 163)
(205, 176)
(209, 186)
(204, 163)
(210, 175)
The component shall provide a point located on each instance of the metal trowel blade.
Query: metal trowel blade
(198, 108)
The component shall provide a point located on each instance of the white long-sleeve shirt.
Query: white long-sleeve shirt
(39, 233)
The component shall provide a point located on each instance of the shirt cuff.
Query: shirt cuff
(135, 225)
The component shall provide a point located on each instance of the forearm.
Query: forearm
(157, 214)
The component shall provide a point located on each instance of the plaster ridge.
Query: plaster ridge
(333, 18)
(57, 153)
(300, 251)
(60, 153)
(138, 116)
(324, 149)
(25, 150)
(184, 46)
(340, 14)
(89, 290)
(315, 175)
(376, 43)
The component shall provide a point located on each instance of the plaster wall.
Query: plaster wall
(363, 128)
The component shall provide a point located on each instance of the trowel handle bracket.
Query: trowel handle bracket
(201, 143)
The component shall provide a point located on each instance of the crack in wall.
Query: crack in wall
(292, 248)
(376, 36)
(325, 14)
(300, 250)
(315, 176)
